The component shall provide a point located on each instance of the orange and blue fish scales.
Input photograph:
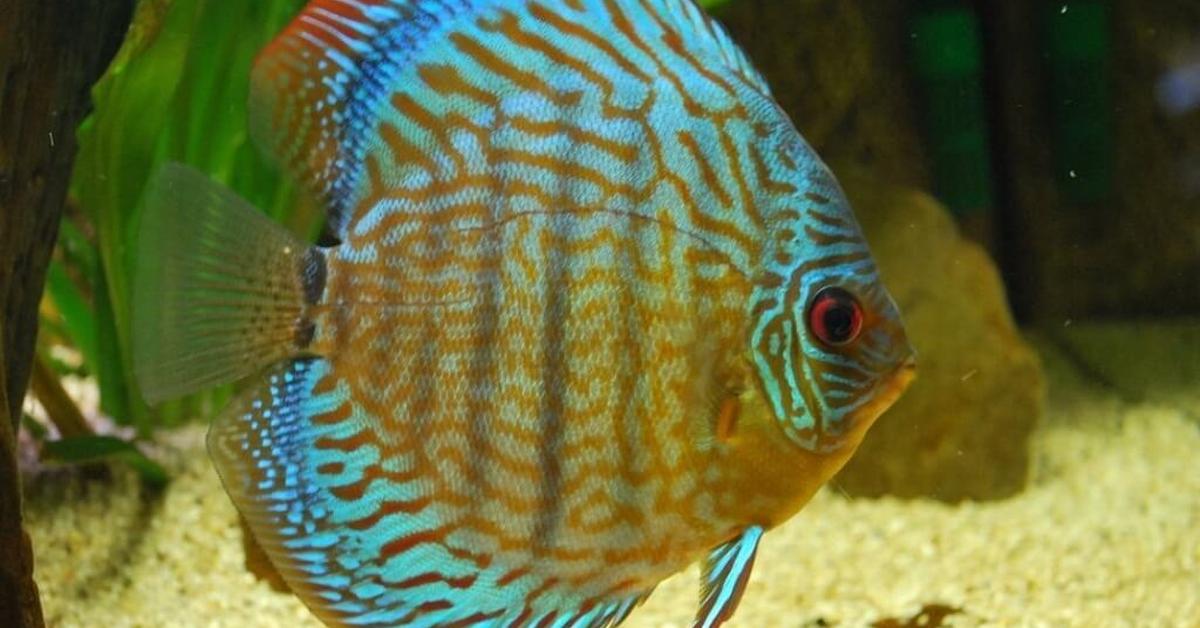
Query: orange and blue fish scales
(590, 311)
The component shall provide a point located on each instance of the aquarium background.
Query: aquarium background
(1028, 174)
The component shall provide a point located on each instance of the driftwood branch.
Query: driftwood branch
(51, 52)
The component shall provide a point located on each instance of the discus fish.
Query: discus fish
(590, 311)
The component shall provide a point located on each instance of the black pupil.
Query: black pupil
(839, 321)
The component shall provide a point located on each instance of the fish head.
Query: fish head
(826, 340)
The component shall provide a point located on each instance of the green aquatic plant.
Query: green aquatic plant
(176, 92)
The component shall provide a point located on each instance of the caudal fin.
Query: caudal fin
(219, 291)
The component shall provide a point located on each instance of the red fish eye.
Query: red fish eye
(835, 317)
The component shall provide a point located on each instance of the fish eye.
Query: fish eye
(835, 317)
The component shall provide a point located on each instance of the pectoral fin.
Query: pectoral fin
(219, 289)
(724, 577)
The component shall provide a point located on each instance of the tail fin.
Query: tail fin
(220, 290)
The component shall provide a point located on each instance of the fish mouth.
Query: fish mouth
(890, 390)
(903, 376)
(899, 381)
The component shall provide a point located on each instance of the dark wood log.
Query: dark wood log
(51, 53)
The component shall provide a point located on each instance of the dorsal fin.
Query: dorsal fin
(354, 527)
(315, 87)
(691, 18)
(307, 92)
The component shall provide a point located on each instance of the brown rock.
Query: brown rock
(962, 429)
(833, 67)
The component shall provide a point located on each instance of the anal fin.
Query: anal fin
(264, 449)
(257, 562)
(353, 529)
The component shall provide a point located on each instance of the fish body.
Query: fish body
(595, 311)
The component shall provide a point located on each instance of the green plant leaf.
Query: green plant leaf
(79, 253)
(34, 427)
(79, 320)
(116, 393)
(89, 449)
(176, 91)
